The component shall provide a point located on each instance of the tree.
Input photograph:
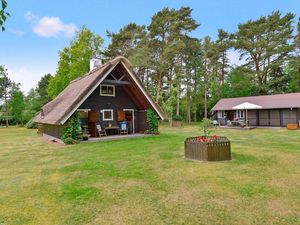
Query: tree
(240, 84)
(42, 90)
(74, 60)
(17, 105)
(166, 29)
(5, 90)
(169, 106)
(3, 14)
(265, 44)
(125, 41)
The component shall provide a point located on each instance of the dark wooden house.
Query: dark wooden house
(275, 110)
(108, 94)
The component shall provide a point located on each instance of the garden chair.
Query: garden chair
(101, 132)
(124, 127)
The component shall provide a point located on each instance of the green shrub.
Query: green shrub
(31, 125)
(72, 129)
(205, 125)
(152, 121)
(177, 118)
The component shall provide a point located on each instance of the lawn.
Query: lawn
(147, 180)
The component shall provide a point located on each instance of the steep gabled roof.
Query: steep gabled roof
(279, 101)
(67, 102)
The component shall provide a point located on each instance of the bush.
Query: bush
(72, 129)
(204, 126)
(152, 121)
(31, 125)
(177, 118)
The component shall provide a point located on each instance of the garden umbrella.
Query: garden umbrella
(246, 106)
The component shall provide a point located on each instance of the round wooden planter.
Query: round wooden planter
(217, 150)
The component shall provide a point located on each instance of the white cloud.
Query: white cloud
(30, 17)
(16, 31)
(50, 26)
(28, 77)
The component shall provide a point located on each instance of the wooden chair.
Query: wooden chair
(100, 131)
(124, 127)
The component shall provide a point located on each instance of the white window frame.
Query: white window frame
(108, 85)
(239, 114)
(107, 110)
(221, 114)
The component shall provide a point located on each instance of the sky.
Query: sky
(38, 29)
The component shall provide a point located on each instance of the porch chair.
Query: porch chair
(100, 131)
(124, 127)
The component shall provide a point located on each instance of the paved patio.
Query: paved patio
(116, 137)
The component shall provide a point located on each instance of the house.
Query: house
(273, 110)
(108, 94)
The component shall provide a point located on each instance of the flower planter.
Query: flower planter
(211, 149)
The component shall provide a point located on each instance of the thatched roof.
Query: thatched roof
(279, 101)
(63, 106)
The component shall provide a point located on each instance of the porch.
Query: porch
(116, 137)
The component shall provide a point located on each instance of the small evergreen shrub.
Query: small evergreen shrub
(205, 126)
(152, 121)
(177, 118)
(31, 125)
(72, 129)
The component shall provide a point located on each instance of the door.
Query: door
(93, 118)
(274, 117)
(130, 118)
(263, 117)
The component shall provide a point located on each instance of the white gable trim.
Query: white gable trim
(144, 92)
(100, 81)
(86, 96)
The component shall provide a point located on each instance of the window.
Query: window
(221, 114)
(239, 114)
(107, 114)
(107, 90)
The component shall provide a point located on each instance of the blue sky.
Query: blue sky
(38, 29)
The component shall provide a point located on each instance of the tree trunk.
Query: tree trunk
(6, 108)
(178, 100)
(205, 104)
(188, 109)
(158, 87)
(298, 79)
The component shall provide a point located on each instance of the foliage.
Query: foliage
(72, 129)
(239, 84)
(74, 60)
(265, 44)
(17, 105)
(6, 86)
(177, 118)
(152, 121)
(205, 126)
(3, 14)
(169, 106)
(31, 125)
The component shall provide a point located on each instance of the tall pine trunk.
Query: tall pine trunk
(298, 79)
(6, 107)
(178, 99)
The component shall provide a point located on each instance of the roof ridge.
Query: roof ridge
(262, 95)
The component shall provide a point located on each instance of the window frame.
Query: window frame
(107, 110)
(108, 85)
(221, 114)
(240, 114)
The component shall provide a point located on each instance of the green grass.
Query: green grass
(147, 180)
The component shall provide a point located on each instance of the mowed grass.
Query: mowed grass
(147, 180)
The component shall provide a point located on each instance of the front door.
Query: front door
(130, 118)
(93, 118)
